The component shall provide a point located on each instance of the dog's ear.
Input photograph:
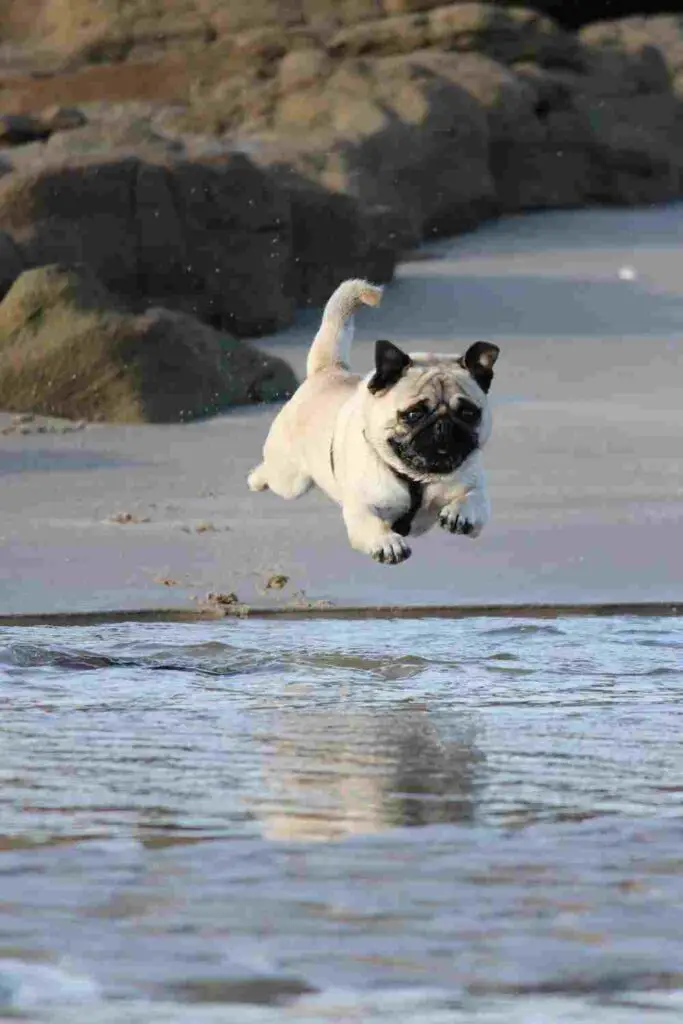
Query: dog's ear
(390, 365)
(480, 359)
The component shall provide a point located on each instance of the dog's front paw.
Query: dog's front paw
(454, 522)
(391, 550)
(467, 518)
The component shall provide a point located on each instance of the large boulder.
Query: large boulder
(507, 35)
(187, 221)
(658, 38)
(87, 27)
(562, 137)
(214, 241)
(392, 132)
(334, 238)
(68, 349)
(448, 136)
(11, 263)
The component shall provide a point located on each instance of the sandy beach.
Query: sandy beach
(584, 466)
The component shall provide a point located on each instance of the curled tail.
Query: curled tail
(332, 344)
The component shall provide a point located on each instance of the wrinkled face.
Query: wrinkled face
(430, 411)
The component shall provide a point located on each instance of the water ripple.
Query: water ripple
(419, 820)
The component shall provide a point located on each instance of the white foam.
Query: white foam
(27, 986)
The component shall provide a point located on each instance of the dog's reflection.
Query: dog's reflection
(334, 774)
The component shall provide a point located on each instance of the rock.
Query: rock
(625, 56)
(638, 151)
(68, 349)
(126, 518)
(335, 239)
(448, 137)
(11, 263)
(188, 222)
(561, 138)
(324, 15)
(17, 129)
(116, 129)
(399, 34)
(63, 119)
(655, 41)
(86, 30)
(505, 34)
(212, 240)
(302, 69)
(277, 581)
(408, 6)
(393, 133)
(392, 120)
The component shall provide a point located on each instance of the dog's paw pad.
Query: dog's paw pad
(392, 551)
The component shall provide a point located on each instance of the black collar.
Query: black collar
(404, 523)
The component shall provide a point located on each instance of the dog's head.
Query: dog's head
(429, 411)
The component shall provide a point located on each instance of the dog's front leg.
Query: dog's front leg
(374, 536)
(469, 512)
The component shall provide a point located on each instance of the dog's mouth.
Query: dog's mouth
(438, 447)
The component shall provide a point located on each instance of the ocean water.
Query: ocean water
(343, 821)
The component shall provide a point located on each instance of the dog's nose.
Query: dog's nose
(440, 430)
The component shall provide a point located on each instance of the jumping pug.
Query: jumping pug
(398, 449)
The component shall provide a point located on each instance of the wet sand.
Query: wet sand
(584, 467)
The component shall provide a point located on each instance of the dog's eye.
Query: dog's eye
(468, 413)
(413, 415)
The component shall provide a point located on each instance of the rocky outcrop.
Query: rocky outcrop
(645, 42)
(212, 241)
(219, 240)
(20, 129)
(68, 349)
(11, 263)
(499, 111)
(179, 235)
(334, 238)
(509, 108)
(368, 124)
(87, 30)
(504, 34)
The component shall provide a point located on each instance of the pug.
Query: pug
(398, 449)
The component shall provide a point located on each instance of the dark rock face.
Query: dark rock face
(655, 41)
(222, 241)
(69, 349)
(334, 238)
(215, 242)
(168, 248)
(11, 263)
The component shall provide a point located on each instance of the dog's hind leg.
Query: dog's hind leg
(258, 478)
(286, 481)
